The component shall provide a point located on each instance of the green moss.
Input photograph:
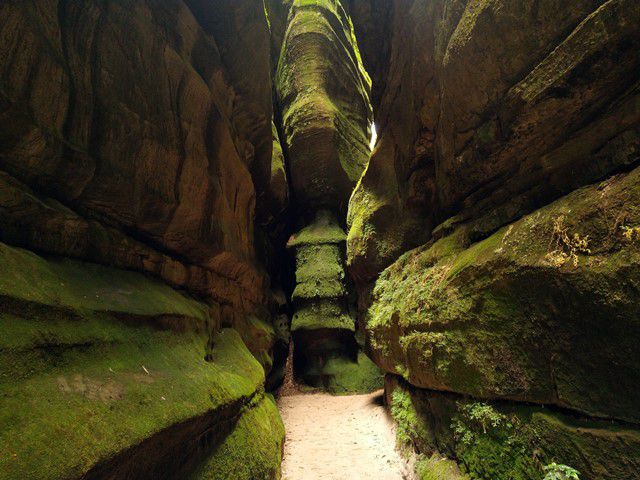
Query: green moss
(345, 376)
(86, 286)
(96, 398)
(502, 441)
(324, 261)
(81, 384)
(319, 288)
(437, 467)
(253, 450)
(492, 318)
(320, 39)
(319, 272)
(259, 335)
(326, 313)
(318, 233)
(410, 426)
(492, 445)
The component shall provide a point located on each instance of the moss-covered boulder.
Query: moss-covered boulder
(504, 441)
(323, 92)
(326, 353)
(106, 373)
(545, 310)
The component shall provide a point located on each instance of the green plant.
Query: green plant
(556, 471)
(630, 234)
(476, 416)
(566, 247)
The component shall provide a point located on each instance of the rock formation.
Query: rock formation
(323, 95)
(507, 154)
(159, 158)
(136, 136)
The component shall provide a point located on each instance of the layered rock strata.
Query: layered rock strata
(135, 160)
(326, 352)
(323, 95)
(109, 374)
(507, 154)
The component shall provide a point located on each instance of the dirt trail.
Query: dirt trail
(339, 438)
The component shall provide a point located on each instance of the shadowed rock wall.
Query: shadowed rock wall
(136, 142)
(323, 100)
(323, 94)
(507, 154)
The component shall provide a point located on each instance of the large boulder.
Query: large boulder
(544, 311)
(323, 93)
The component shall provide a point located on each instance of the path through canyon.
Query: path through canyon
(339, 438)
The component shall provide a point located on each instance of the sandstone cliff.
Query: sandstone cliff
(136, 136)
(507, 153)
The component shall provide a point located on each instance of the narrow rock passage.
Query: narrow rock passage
(339, 438)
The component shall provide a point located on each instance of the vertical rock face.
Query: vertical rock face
(323, 96)
(136, 138)
(156, 138)
(508, 152)
(323, 92)
(490, 108)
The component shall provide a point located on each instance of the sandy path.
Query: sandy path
(339, 438)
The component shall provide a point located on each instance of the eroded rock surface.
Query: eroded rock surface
(490, 108)
(506, 168)
(110, 374)
(323, 92)
(537, 312)
(502, 440)
(165, 140)
(136, 158)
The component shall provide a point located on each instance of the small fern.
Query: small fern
(556, 471)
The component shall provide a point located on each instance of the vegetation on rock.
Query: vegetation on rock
(508, 441)
(496, 319)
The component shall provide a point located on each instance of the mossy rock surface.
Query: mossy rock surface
(438, 467)
(504, 441)
(323, 92)
(75, 285)
(347, 377)
(322, 314)
(324, 230)
(253, 450)
(103, 372)
(319, 272)
(319, 251)
(539, 311)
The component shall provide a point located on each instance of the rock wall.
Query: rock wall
(322, 93)
(106, 373)
(147, 145)
(136, 171)
(507, 154)
(489, 109)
